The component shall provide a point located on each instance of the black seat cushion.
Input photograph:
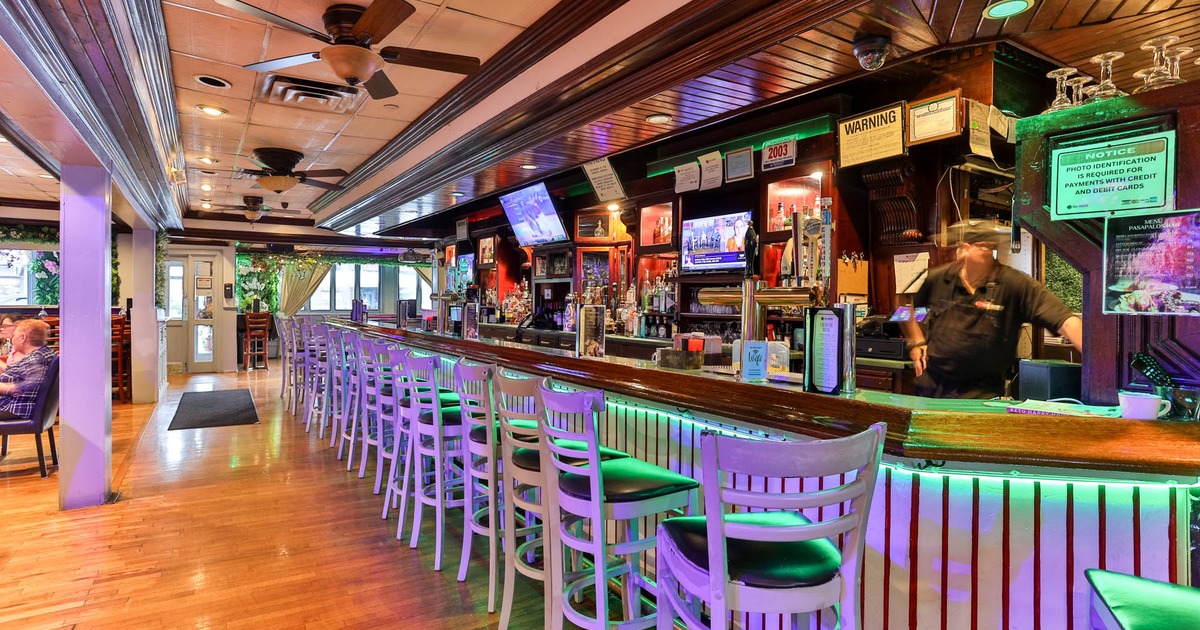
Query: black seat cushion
(446, 396)
(531, 459)
(628, 479)
(757, 563)
(477, 435)
(1141, 604)
(450, 415)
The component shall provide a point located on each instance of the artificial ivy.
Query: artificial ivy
(161, 242)
(308, 260)
(40, 235)
(1064, 281)
(44, 265)
(257, 280)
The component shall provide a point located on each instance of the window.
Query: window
(174, 290)
(16, 285)
(413, 287)
(343, 284)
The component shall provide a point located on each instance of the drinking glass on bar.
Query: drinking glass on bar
(1076, 84)
(1061, 101)
(1142, 75)
(1107, 89)
(1160, 75)
(1173, 55)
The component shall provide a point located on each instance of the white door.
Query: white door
(191, 306)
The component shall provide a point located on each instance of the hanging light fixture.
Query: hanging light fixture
(279, 184)
(253, 215)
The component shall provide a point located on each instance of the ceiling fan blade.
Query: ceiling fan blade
(272, 65)
(290, 211)
(253, 173)
(380, 19)
(379, 86)
(321, 184)
(445, 62)
(253, 160)
(277, 20)
(325, 172)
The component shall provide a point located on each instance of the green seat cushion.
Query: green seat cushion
(446, 396)
(477, 434)
(450, 415)
(757, 563)
(531, 459)
(1143, 604)
(628, 479)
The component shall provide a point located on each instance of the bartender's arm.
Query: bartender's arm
(915, 342)
(1072, 330)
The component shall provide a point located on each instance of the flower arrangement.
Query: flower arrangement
(45, 277)
(257, 280)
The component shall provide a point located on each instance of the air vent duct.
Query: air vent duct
(313, 95)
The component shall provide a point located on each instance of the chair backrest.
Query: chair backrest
(258, 322)
(836, 508)
(517, 399)
(473, 384)
(46, 407)
(569, 429)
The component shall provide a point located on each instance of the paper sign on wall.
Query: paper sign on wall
(711, 170)
(875, 135)
(1124, 177)
(687, 177)
(604, 180)
(779, 153)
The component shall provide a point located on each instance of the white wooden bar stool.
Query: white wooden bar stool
(370, 386)
(590, 492)
(771, 550)
(396, 444)
(473, 384)
(348, 426)
(316, 375)
(437, 452)
(519, 408)
(337, 380)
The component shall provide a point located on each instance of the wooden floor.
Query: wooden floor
(230, 527)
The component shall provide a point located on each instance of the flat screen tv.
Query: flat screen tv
(715, 243)
(531, 213)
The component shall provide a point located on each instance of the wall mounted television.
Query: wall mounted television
(533, 217)
(714, 243)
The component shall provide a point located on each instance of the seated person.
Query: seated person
(27, 369)
(7, 322)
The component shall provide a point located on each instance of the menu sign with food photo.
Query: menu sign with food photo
(1152, 264)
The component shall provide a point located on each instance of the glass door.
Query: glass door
(191, 306)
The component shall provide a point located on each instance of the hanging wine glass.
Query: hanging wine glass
(1076, 84)
(1142, 75)
(1173, 55)
(1107, 89)
(1060, 101)
(1160, 74)
(1089, 91)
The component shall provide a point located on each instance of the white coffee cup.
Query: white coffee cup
(1140, 406)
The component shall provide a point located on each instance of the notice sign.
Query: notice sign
(875, 135)
(779, 153)
(711, 175)
(934, 118)
(604, 180)
(1131, 176)
(1152, 264)
(687, 177)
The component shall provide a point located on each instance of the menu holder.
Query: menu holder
(589, 340)
(471, 321)
(828, 355)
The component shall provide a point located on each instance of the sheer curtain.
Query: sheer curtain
(299, 283)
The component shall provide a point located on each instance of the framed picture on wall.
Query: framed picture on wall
(487, 250)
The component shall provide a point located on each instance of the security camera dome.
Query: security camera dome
(872, 51)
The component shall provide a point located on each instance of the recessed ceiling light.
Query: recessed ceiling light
(207, 160)
(457, 194)
(208, 172)
(3, 139)
(614, 207)
(46, 176)
(529, 167)
(211, 81)
(211, 110)
(206, 205)
(206, 187)
(1002, 9)
(659, 119)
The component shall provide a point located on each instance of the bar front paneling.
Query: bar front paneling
(979, 519)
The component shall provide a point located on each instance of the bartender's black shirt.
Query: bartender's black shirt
(974, 337)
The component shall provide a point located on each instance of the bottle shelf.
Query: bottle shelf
(711, 315)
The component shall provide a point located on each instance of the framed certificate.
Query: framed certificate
(934, 118)
(739, 164)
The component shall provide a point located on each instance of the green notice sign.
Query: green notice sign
(1124, 177)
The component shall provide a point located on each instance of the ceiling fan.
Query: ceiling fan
(350, 31)
(254, 209)
(276, 170)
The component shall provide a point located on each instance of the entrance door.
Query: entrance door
(191, 326)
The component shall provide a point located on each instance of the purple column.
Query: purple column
(85, 462)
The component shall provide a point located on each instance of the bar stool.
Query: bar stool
(375, 383)
(347, 426)
(254, 343)
(590, 491)
(395, 442)
(473, 384)
(316, 374)
(437, 440)
(765, 555)
(1128, 602)
(519, 408)
(286, 359)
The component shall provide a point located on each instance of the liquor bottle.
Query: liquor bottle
(657, 231)
(777, 222)
(662, 327)
(646, 289)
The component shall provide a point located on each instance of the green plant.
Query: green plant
(116, 276)
(257, 279)
(160, 275)
(1064, 281)
(45, 277)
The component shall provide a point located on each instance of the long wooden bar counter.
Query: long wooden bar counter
(980, 518)
(920, 428)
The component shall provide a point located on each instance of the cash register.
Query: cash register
(879, 337)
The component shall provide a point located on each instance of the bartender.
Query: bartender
(976, 307)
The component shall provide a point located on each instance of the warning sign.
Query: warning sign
(1124, 177)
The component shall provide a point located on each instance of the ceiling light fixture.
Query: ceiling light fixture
(208, 80)
(614, 207)
(205, 204)
(3, 139)
(457, 194)
(211, 110)
(1003, 9)
(207, 160)
(352, 63)
(253, 215)
(659, 119)
(278, 183)
(529, 167)
(206, 187)
(46, 176)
